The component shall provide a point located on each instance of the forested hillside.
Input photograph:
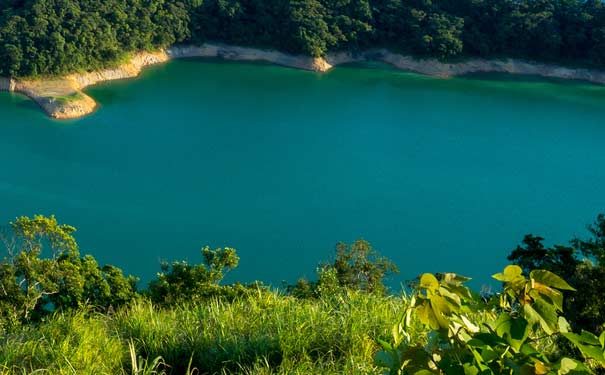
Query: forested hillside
(45, 37)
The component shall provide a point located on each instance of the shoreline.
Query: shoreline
(63, 98)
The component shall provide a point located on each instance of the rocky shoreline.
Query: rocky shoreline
(63, 98)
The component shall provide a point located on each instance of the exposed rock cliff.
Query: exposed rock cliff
(249, 54)
(129, 70)
(6, 84)
(63, 98)
(432, 67)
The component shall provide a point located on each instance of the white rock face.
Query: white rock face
(7, 84)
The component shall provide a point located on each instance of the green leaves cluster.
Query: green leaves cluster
(355, 267)
(581, 263)
(504, 334)
(181, 281)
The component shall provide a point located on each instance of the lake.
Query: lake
(439, 175)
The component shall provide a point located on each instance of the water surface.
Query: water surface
(439, 175)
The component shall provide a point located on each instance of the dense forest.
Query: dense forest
(63, 313)
(47, 37)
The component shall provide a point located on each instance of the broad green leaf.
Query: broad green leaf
(550, 279)
(470, 369)
(484, 338)
(572, 367)
(514, 330)
(564, 326)
(510, 273)
(586, 337)
(426, 315)
(549, 295)
(460, 290)
(416, 359)
(469, 325)
(429, 282)
(528, 350)
(451, 297)
(384, 359)
(540, 368)
(584, 344)
(454, 278)
(567, 365)
(489, 355)
(544, 313)
(440, 310)
(385, 345)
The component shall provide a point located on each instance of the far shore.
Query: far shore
(62, 98)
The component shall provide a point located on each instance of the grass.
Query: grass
(264, 333)
(64, 99)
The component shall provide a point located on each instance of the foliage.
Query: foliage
(507, 339)
(180, 281)
(582, 264)
(32, 286)
(50, 37)
(356, 267)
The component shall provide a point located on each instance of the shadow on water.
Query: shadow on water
(529, 79)
(27, 103)
(218, 60)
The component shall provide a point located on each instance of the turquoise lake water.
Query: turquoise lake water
(439, 175)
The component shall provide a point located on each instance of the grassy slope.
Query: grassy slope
(260, 334)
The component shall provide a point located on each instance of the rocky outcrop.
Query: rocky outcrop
(7, 84)
(63, 97)
(227, 52)
(129, 70)
(437, 68)
(432, 67)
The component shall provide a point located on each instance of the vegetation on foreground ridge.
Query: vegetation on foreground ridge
(49, 37)
(61, 313)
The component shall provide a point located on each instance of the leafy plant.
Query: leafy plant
(504, 334)
(582, 264)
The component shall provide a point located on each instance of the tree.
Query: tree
(180, 281)
(356, 267)
(310, 31)
(42, 271)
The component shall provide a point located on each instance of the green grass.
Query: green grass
(64, 99)
(264, 333)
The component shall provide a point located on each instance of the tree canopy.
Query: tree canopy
(48, 37)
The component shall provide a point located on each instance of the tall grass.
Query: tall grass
(262, 333)
(78, 343)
